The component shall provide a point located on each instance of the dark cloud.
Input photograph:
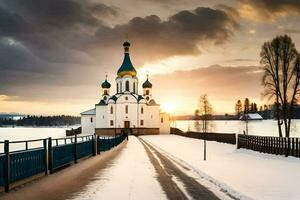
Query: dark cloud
(180, 34)
(50, 45)
(269, 9)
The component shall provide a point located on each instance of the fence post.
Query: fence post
(204, 149)
(6, 166)
(94, 145)
(75, 149)
(297, 148)
(50, 155)
(45, 156)
(98, 144)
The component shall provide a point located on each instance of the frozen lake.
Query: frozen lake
(30, 133)
(261, 127)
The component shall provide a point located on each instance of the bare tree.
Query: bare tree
(205, 109)
(281, 65)
(238, 108)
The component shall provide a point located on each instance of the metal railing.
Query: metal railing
(49, 155)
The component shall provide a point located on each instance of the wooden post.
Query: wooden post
(204, 149)
(50, 155)
(6, 166)
(45, 156)
(75, 149)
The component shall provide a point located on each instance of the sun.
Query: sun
(168, 107)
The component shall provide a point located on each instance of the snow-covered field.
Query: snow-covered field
(30, 133)
(253, 174)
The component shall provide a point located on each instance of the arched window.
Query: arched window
(134, 87)
(111, 110)
(142, 110)
(105, 92)
(127, 86)
(126, 109)
(147, 92)
(91, 120)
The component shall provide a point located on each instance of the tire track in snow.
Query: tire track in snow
(169, 170)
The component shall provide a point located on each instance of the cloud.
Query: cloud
(180, 34)
(292, 31)
(50, 46)
(220, 82)
(269, 10)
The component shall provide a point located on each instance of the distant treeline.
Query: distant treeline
(60, 120)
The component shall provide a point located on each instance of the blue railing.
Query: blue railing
(2, 159)
(106, 143)
(48, 155)
(24, 164)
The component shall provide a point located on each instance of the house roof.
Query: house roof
(89, 112)
(251, 116)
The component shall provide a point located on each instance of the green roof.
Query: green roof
(126, 67)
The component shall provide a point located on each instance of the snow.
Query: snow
(245, 173)
(131, 176)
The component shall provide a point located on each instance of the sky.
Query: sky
(54, 54)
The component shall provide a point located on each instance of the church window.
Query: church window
(91, 120)
(147, 92)
(126, 98)
(102, 116)
(147, 98)
(142, 122)
(111, 110)
(134, 87)
(120, 87)
(162, 120)
(127, 86)
(105, 92)
(111, 122)
(104, 97)
(126, 109)
(142, 110)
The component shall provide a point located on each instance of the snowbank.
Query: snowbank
(253, 174)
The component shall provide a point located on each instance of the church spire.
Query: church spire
(126, 67)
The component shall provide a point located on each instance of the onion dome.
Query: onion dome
(105, 84)
(147, 84)
(126, 67)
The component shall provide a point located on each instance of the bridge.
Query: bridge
(32, 158)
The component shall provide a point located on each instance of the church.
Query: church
(126, 109)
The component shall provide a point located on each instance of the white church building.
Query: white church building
(126, 109)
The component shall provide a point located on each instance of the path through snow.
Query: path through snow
(242, 173)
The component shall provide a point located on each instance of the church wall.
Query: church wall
(152, 117)
(88, 123)
(164, 123)
(122, 84)
(122, 116)
(101, 119)
(135, 131)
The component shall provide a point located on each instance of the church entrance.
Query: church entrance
(126, 124)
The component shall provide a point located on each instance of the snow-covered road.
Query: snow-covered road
(142, 172)
(243, 173)
(130, 176)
